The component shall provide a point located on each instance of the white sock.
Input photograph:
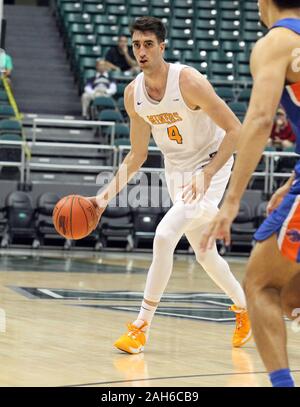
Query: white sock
(146, 314)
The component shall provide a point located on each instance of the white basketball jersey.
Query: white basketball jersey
(187, 138)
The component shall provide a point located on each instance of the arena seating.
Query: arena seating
(215, 37)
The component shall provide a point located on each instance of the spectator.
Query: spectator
(282, 135)
(99, 85)
(120, 57)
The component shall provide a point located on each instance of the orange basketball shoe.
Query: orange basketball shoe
(134, 340)
(243, 331)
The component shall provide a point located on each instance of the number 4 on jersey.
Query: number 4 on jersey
(174, 135)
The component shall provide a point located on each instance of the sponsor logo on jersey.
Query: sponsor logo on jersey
(293, 235)
(164, 118)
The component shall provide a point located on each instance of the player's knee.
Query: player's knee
(163, 239)
(251, 289)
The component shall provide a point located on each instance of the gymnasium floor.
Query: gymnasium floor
(61, 312)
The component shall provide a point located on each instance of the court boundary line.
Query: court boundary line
(170, 377)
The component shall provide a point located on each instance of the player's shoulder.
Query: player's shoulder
(275, 42)
(190, 77)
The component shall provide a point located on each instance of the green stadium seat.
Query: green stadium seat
(220, 56)
(116, 2)
(87, 51)
(228, 5)
(206, 4)
(173, 55)
(251, 16)
(139, 3)
(122, 142)
(229, 35)
(84, 29)
(231, 15)
(183, 33)
(107, 40)
(10, 126)
(205, 34)
(120, 89)
(104, 19)
(139, 11)
(183, 44)
(245, 95)
(77, 19)
(110, 115)
(120, 10)
(94, 8)
(243, 71)
(3, 96)
(233, 46)
(238, 108)
(251, 36)
(87, 63)
(194, 57)
(243, 58)
(226, 94)
(252, 26)
(111, 30)
(225, 69)
(102, 102)
(6, 111)
(210, 45)
(80, 39)
(160, 3)
(182, 3)
(181, 23)
(230, 25)
(161, 12)
(206, 14)
(183, 12)
(205, 24)
(124, 20)
(122, 131)
(66, 8)
(250, 6)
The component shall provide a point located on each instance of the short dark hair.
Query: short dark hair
(286, 4)
(151, 24)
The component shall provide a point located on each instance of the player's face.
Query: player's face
(147, 50)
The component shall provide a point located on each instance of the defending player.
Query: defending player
(273, 272)
(197, 133)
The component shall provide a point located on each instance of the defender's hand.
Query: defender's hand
(219, 227)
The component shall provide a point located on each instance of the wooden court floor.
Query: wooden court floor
(61, 312)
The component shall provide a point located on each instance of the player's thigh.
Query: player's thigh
(267, 267)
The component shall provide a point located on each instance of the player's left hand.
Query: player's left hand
(219, 227)
(196, 189)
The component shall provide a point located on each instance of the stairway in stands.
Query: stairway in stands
(42, 81)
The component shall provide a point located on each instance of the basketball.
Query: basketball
(74, 217)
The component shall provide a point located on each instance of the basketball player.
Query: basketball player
(273, 271)
(186, 117)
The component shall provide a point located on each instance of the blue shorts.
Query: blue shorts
(285, 222)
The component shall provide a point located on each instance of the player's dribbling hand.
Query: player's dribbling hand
(99, 210)
(219, 227)
(196, 189)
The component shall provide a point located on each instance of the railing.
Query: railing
(30, 165)
(25, 165)
(72, 124)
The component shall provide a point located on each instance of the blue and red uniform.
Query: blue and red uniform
(285, 220)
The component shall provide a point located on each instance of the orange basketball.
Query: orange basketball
(74, 217)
